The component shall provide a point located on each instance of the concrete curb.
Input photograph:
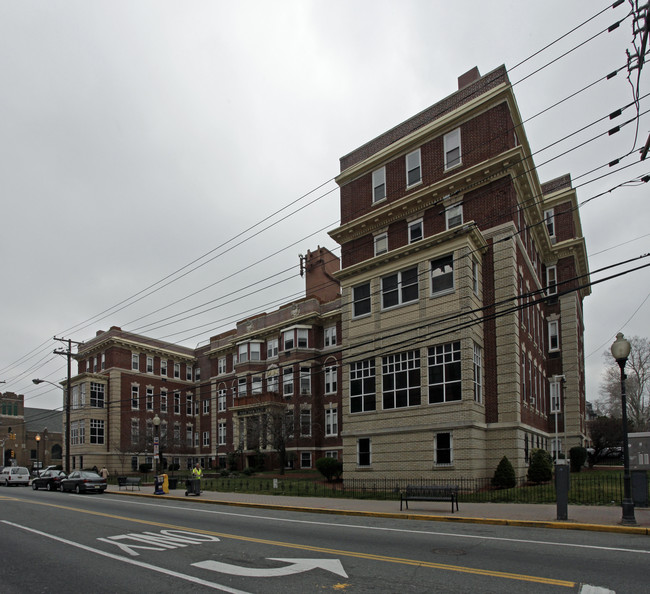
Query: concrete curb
(638, 530)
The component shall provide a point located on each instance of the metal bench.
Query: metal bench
(128, 481)
(429, 493)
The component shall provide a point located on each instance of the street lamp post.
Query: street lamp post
(156, 442)
(621, 351)
(66, 406)
(38, 454)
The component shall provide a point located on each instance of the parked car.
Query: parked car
(83, 481)
(49, 479)
(14, 475)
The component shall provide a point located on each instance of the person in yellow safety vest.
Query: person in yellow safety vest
(197, 471)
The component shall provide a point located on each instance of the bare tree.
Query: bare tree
(606, 434)
(637, 385)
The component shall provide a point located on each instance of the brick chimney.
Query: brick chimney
(468, 78)
(319, 266)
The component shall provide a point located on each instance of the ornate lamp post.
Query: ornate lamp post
(38, 454)
(621, 351)
(156, 443)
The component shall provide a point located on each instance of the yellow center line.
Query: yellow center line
(316, 549)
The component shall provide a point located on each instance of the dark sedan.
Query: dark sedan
(83, 481)
(49, 480)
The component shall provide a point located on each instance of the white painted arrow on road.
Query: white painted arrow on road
(297, 566)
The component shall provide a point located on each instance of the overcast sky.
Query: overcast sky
(138, 139)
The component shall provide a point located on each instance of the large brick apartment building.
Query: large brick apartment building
(449, 334)
(461, 309)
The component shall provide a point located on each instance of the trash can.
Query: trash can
(192, 487)
(173, 483)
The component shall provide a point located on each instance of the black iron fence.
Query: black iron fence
(585, 489)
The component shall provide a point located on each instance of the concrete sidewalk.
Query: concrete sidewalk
(594, 518)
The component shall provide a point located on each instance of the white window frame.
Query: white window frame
(551, 280)
(447, 261)
(437, 449)
(378, 185)
(272, 381)
(381, 244)
(330, 336)
(401, 289)
(135, 397)
(555, 396)
(305, 381)
(206, 406)
(549, 219)
(416, 228)
(221, 399)
(331, 422)
(149, 364)
(363, 381)
(242, 387)
(451, 142)
(221, 366)
(553, 336)
(149, 399)
(272, 348)
(287, 381)
(305, 422)
(454, 216)
(256, 384)
(413, 163)
(163, 400)
(359, 302)
(163, 367)
(477, 367)
(223, 428)
(177, 370)
(305, 459)
(188, 372)
(135, 362)
(330, 373)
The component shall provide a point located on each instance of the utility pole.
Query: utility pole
(66, 397)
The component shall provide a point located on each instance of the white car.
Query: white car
(14, 475)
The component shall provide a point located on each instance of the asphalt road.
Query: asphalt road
(60, 542)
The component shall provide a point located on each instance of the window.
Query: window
(96, 395)
(288, 424)
(554, 335)
(149, 402)
(305, 459)
(478, 388)
(241, 387)
(399, 288)
(135, 362)
(330, 336)
(556, 405)
(551, 280)
(103, 361)
(444, 373)
(256, 384)
(475, 277)
(188, 405)
(361, 300)
(197, 374)
(188, 436)
(379, 184)
(135, 397)
(549, 218)
(96, 431)
(442, 449)
(163, 400)
(287, 381)
(206, 438)
(221, 365)
(362, 386)
(330, 380)
(363, 452)
(177, 370)
(255, 351)
(454, 216)
(206, 407)
(222, 432)
(271, 348)
(401, 380)
(149, 364)
(305, 380)
(221, 400)
(442, 275)
(451, 143)
(188, 372)
(177, 403)
(135, 430)
(416, 231)
(243, 353)
(413, 169)
(295, 337)
(305, 422)
(95, 364)
(163, 367)
(272, 381)
(381, 243)
(177, 432)
(331, 422)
